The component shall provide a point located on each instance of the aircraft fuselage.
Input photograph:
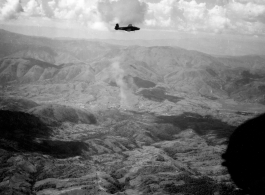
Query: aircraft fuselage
(127, 28)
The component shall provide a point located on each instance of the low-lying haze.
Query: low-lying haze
(237, 26)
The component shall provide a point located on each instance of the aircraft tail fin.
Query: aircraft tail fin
(117, 27)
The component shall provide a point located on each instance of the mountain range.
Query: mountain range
(30, 59)
(100, 117)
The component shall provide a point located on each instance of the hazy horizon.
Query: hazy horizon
(158, 19)
(228, 27)
(227, 45)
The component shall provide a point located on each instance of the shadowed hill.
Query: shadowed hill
(16, 104)
(23, 132)
(62, 113)
(22, 127)
(202, 125)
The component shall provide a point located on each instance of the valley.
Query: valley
(91, 117)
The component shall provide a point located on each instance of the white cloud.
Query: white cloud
(33, 8)
(261, 2)
(122, 11)
(247, 18)
(217, 19)
(46, 7)
(98, 26)
(69, 9)
(243, 16)
(10, 10)
(246, 11)
(159, 14)
(197, 17)
(52, 4)
(192, 10)
(236, 16)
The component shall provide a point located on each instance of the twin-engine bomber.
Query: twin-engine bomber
(128, 28)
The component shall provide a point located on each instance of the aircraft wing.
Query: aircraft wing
(123, 28)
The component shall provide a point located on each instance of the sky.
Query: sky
(156, 18)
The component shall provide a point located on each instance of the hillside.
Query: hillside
(135, 153)
(88, 117)
(176, 69)
(51, 50)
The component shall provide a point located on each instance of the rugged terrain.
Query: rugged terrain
(89, 117)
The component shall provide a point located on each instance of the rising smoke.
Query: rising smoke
(118, 74)
(122, 11)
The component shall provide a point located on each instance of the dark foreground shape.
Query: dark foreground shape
(245, 156)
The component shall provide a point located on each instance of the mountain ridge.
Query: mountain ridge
(108, 119)
(91, 61)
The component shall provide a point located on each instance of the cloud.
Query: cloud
(212, 3)
(217, 19)
(38, 8)
(122, 11)
(248, 11)
(192, 10)
(208, 15)
(242, 16)
(98, 25)
(261, 2)
(195, 16)
(10, 10)
(159, 14)
(82, 11)
(46, 6)
(247, 17)
(32, 8)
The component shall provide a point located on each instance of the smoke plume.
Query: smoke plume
(122, 11)
(118, 74)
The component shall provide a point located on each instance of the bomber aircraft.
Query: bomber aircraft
(128, 28)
